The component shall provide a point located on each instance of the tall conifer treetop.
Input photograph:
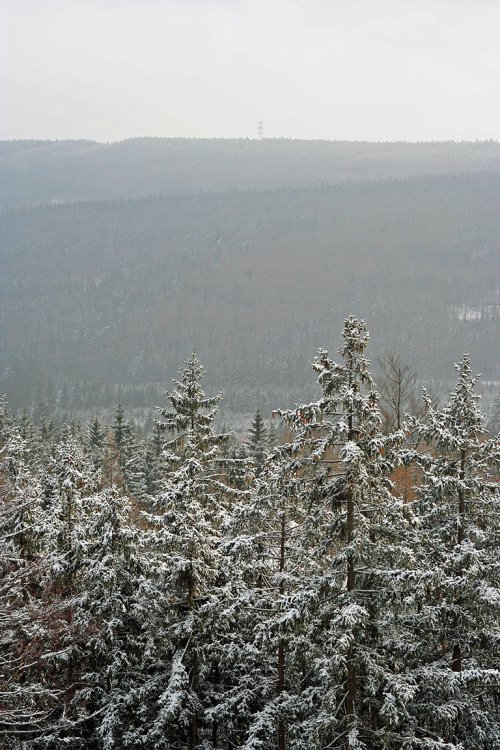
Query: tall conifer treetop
(354, 527)
(257, 442)
(191, 411)
(461, 420)
(455, 625)
(184, 544)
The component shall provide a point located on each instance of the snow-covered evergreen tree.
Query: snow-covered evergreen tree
(183, 648)
(27, 701)
(355, 532)
(173, 592)
(456, 609)
(96, 443)
(69, 481)
(264, 610)
(108, 614)
(256, 443)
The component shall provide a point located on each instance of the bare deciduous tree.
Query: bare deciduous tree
(398, 390)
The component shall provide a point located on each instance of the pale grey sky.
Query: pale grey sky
(346, 69)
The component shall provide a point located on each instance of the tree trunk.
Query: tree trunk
(193, 735)
(281, 645)
(456, 657)
(461, 500)
(350, 686)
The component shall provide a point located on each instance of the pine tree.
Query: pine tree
(120, 428)
(355, 531)
(96, 447)
(70, 481)
(110, 616)
(264, 609)
(256, 443)
(96, 436)
(455, 642)
(123, 440)
(27, 699)
(155, 466)
(21, 472)
(185, 546)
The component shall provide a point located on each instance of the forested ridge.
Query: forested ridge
(46, 171)
(99, 300)
(334, 586)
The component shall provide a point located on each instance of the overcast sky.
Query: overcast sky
(345, 69)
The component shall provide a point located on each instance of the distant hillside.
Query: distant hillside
(34, 172)
(118, 292)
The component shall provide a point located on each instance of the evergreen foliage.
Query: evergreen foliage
(171, 591)
(455, 614)
(184, 548)
(257, 441)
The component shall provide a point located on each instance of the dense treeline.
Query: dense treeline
(97, 296)
(337, 588)
(46, 171)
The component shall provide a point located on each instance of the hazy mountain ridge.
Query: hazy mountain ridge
(33, 172)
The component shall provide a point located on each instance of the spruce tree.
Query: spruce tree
(454, 622)
(109, 615)
(154, 461)
(256, 443)
(184, 540)
(26, 619)
(69, 482)
(265, 610)
(355, 532)
(96, 437)
(124, 443)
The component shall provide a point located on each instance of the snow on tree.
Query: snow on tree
(109, 614)
(95, 440)
(456, 605)
(27, 701)
(157, 593)
(184, 540)
(264, 597)
(256, 443)
(69, 480)
(355, 530)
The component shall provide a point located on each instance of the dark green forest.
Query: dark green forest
(99, 300)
